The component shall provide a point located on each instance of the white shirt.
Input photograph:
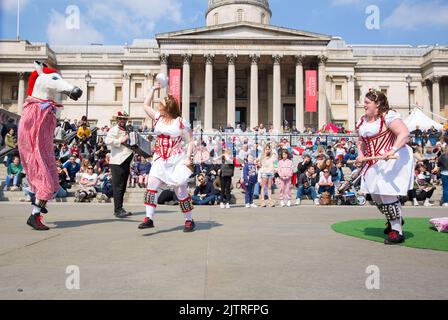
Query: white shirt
(119, 153)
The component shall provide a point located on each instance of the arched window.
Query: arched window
(216, 18)
(240, 15)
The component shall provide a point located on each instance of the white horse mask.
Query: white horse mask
(47, 85)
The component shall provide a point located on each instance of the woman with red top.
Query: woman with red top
(172, 163)
(383, 134)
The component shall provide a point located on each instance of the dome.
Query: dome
(228, 11)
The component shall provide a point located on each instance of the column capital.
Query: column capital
(126, 76)
(231, 58)
(164, 58)
(148, 75)
(436, 79)
(187, 58)
(299, 59)
(277, 58)
(254, 58)
(425, 82)
(329, 77)
(350, 78)
(322, 59)
(21, 75)
(209, 58)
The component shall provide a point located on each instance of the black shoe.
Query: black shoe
(189, 226)
(389, 227)
(146, 224)
(35, 222)
(394, 238)
(122, 214)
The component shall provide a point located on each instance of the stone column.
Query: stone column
(300, 107)
(426, 97)
(323, 108)
(351, 103)
(186, 87)
(436, 96)
(164, 69)
(208, 100)
(231, 89)
(254, 90)
(21, 93)
(126, 92)
(277, 94)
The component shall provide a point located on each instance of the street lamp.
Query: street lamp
(409, 81)
(88, 78)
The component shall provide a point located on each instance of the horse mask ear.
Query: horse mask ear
(39, 67)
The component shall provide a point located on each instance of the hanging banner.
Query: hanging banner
(175, 83)
(311, 91)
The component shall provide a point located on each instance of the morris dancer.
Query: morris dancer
(172, 164)
(35, 140)
(382, 133)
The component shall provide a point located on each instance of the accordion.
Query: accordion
(139, 144)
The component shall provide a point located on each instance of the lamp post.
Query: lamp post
(409, 81)
(88, 78)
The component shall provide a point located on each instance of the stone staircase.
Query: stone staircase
(134, 196)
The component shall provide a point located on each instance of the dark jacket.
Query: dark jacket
(307, 182)
(207, 189)
(443, 162)
(250, 173)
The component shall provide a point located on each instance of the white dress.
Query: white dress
(169, 165)
(392, 177)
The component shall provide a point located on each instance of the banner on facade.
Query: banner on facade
(311, 91)
(175, 83)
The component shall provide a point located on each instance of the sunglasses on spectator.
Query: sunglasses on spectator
(326, 171)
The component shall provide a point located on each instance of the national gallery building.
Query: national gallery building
(237, 69)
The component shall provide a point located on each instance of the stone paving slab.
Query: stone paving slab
(275, 253)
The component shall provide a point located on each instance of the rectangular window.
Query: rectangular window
(358, 95)
(291, 87)
(118, 93)
(412, 97)
(384, 91)
(15, 93)
(91, 93)
(138, 90)
(338, 92)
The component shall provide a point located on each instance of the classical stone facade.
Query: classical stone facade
(238, 68)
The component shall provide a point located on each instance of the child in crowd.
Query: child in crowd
(250, 177)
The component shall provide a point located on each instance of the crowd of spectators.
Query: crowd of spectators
(262, 164)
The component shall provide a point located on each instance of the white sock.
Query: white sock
(396, 225)
(36, 210)
(150, 212)
(188, 216)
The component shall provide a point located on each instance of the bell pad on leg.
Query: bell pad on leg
(150, 198)
(186, 205)
(392, 211)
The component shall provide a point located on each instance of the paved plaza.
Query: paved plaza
(277, 253)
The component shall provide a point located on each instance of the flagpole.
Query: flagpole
(18, 19)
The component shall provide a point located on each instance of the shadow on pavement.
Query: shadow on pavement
(200, 225)
(378, 232)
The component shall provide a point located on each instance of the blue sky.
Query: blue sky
(120, 21)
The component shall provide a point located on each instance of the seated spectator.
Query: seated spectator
(59, 132)
(14, 175)
(339, 152)
(83, 136)
(133, 174)
(423, 189)
(64, 153)
(143, 169)
(102, 164)
(350, 158)
(87, 185)
(101, 152)
(303, 166)
(339, 177)
(71, 168)
(85, 163)
(106, 185)
(204, 194)
(63, 183)
(306, 185)
(326, 183)
(10, 142)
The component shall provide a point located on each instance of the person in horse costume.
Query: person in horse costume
(35, 136)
